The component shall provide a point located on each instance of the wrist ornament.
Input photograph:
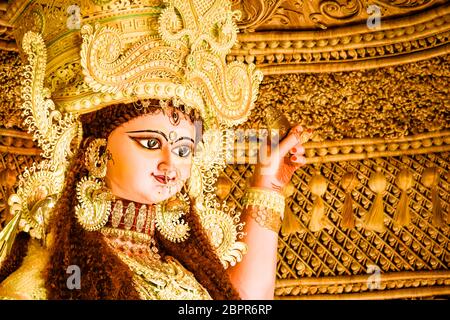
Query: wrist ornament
(265, 206)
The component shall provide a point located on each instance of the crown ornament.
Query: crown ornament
(85, 56)
(143, 49)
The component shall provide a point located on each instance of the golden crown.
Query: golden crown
(133, 50)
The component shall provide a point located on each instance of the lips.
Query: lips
(162, 179)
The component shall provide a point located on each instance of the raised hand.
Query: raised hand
(276, 166)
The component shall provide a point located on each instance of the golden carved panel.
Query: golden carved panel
(286, 36)
(339, 252)
(262, 15)
(399, 40)
(10, 79)
(387, 102)
(396, 285)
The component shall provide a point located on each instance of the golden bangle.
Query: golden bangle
(267, 207)
(264, 198)
(266, 218)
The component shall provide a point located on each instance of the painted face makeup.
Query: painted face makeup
(152, 157)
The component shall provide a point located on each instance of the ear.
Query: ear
(95, 158)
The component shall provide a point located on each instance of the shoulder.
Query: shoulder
(27, 282)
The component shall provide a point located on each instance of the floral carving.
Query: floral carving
(262, 15)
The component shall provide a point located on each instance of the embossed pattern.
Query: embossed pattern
(262, 15)
(387, 102)
(10, 79)
(337, 252)
(368, 42)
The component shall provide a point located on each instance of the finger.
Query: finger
(290, 141)
(298, 159)
(298, 128)
(298, 150)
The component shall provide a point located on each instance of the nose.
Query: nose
(167, 166)
(171, 173)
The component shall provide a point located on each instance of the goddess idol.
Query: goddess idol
(132, 104)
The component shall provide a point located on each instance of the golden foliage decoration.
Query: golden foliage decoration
(387, 102)
(10, 79)
(339, 105)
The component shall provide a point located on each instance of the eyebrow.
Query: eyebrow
(161, 133)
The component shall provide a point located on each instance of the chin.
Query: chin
(157, 194)
(157, 197)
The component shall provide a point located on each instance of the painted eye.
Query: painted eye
(150, 143)
(182, 151)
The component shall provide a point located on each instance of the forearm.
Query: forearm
(254, 276)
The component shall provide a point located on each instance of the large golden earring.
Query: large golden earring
(94, 203)
(94, 199)
(168, 218)
(96, 159)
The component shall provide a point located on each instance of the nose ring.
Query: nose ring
(166, 175)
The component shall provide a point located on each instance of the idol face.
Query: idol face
(150, 156)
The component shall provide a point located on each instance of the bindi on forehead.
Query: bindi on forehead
(174, 117)
(171, 112)
(172, 136)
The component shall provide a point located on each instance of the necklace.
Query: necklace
(130, 233)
